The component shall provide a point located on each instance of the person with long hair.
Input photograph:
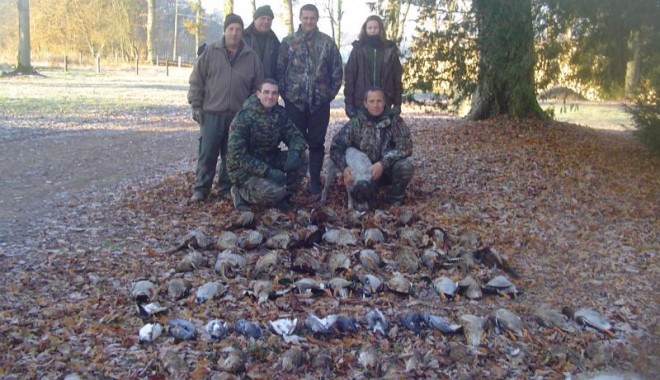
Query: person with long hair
(374, 61)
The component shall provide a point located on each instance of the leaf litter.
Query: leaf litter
(574, 212)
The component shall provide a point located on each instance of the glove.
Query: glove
(350, 111)
(276, 176)
(396, 111)
(197, 114)
(293, 161)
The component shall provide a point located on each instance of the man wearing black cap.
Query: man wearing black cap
(224, 76)
(260, 37)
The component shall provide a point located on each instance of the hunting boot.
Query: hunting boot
(285, 204)
(402, 173)
(239, 202)
(315, 165)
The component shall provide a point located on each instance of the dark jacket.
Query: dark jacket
(386, 139)
(271, 49)
(357, 76)
(309, 69)
(220, 87)
(254, 138)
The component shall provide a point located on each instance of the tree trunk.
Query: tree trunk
(505, 82)
(229, 7)
(288, 16)
(151, 22)
(176, 28)
(633, 67)
(24, 62)
(392, 11)
(198, 22)
(253, 6)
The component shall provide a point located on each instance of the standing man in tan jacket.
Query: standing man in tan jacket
(224, 76)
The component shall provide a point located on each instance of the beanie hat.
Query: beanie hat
(263, 10)
(232, 19)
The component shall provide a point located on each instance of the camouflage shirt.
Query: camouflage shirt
(386, 139)
(309, 69)
(254, 138)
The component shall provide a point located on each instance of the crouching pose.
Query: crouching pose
(385, 139)
(261, 173)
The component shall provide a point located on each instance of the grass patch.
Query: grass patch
(599, 115)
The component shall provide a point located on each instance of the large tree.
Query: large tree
(505, 42)
(24, 62)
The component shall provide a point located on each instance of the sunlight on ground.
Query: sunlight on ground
(597, 115)
(83, 95)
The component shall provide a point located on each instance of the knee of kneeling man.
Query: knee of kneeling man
(404, 168)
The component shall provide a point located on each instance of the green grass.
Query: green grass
(599, 115)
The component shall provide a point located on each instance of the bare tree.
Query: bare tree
(24, 64)
(229, 7)
(335, 13)
(176, 28)
(253, 5)
(395, 14)
(288, 15)
(151, 22)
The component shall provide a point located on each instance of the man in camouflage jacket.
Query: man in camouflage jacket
(310, 72)
(259, 170)
(382, 136)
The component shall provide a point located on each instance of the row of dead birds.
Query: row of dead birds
(473, 327)
(143, 292)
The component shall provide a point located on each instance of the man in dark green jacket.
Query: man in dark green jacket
(224, 76)
(310, 72)
(259, 170)
(260, 37)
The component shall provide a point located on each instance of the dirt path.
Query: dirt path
(41, 174)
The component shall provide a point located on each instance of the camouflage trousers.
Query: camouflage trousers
(261, 191)
(396, 178)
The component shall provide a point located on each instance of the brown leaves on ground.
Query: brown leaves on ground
(575, 211)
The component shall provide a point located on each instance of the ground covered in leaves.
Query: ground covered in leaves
(573, 211)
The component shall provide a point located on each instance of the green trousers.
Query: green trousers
(213, 142)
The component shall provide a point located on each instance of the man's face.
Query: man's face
(268, 95)
(233, 35)
(375, 103)
(263, 23)
(308, 20)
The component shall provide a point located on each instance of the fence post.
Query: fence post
(80, 58)
(98, 64)
(66, 63)
(157, 60)
(137, 60)
(167, 67)
(179, 64)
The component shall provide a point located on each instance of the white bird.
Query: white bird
(150, 332)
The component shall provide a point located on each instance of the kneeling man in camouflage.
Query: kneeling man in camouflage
(385, 138)
(260, 171)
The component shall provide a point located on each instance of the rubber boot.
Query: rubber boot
(315, 165)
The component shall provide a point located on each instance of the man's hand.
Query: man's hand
(276, 176)
(197, 115)
(376, 171)
(348, 176)
(293, 160)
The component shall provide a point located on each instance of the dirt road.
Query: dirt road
(41, 173)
